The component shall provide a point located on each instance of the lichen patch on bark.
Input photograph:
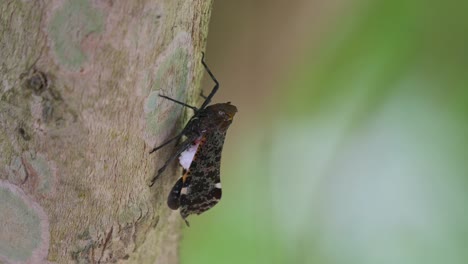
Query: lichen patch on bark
(71, 23)
(26, 238)
(33, 172)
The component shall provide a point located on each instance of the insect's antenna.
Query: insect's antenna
(179, 102)
(215, 88)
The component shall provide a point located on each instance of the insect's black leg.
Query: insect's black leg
(215, 88)
(179, 102)
(202, 95)
(181, 148)
(163, 168)
(167, 142)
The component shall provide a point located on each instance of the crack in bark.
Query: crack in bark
(106, 241)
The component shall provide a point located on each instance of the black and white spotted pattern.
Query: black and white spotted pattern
(199, 189)
(203, 188)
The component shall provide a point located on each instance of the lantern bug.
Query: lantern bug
(199, 188)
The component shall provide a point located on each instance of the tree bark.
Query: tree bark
(79, 113)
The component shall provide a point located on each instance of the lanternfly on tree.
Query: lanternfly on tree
(199, 188)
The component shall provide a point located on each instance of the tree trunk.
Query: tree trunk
(79, 113)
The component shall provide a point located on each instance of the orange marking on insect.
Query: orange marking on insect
(185, 176)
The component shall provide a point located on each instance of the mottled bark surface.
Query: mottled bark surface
(79, 113)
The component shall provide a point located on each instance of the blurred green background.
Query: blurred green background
(350, 145)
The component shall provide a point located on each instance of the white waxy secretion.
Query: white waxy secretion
(186, 157)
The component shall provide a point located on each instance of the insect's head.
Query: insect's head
(224, 113)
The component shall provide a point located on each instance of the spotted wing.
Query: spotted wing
(203, 184)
